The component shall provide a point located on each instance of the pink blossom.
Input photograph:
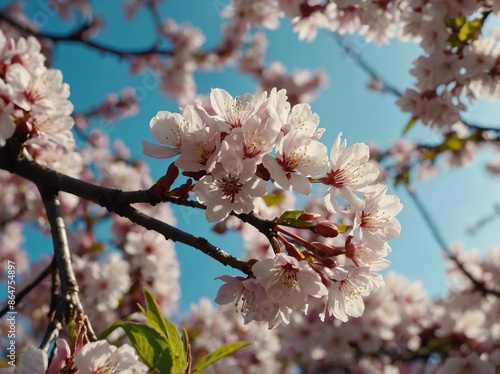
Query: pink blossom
(231, 112)
(231, 186)
(100, 357)
(350, 172)
(170, 129)
(288, 282)
(297, 158)
(249, 298)
(345, 293)
(376, 218)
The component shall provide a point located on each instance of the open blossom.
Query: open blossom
(170, 129)
(376, 218)
(199, 150)
(350, 171)
(345, 294)
(231, 186)
(255, 139)
(301, 118)
(33, 361)
(249, 298)
(288, 282)
(231, 113)
(297, 158)
(102, 357)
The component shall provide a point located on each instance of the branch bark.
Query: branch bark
(113, 200)
(68, 304)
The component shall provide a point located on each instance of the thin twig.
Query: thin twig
(434, 229)
(363, 64)
(30, 286)
(77, 36)
(386, 86)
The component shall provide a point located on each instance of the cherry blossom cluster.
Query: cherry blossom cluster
(95, 357)
(209, 327)
(401, 330)
(231, 146)
(34, 105)
(458, 62)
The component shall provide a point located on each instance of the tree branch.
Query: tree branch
(68, 304)
(113, 200)
(30, 286)
(387, 87)
(77, 36)
(172, 233)
(433, 227)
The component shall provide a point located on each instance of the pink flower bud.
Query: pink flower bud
(327, 229)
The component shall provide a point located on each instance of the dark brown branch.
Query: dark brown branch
(30, 286)
(77, 36)
(172, 233)
(39, 174)
(113, 200)
(433, 227)
(68, 304)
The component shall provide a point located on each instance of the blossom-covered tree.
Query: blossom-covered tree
(310, 290)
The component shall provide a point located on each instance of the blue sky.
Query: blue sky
(456, 198)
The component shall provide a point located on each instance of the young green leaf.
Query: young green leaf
(148, 343)
(219, 353)
(167, 330)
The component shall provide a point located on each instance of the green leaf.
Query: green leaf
(149, 344)
(218, 354)
(168, 331)
(292, 218)
(273, 198)
(410, 125)
(290, 215)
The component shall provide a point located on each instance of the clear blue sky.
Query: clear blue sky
(456, 198)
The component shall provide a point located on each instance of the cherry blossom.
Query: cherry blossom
(170, 129)
(249, 298)
(231, 186)
(231, 113)
(288, 282)
(375, 218)
(101, 357)
(297, 158)
(34, 98)
(350, 171)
